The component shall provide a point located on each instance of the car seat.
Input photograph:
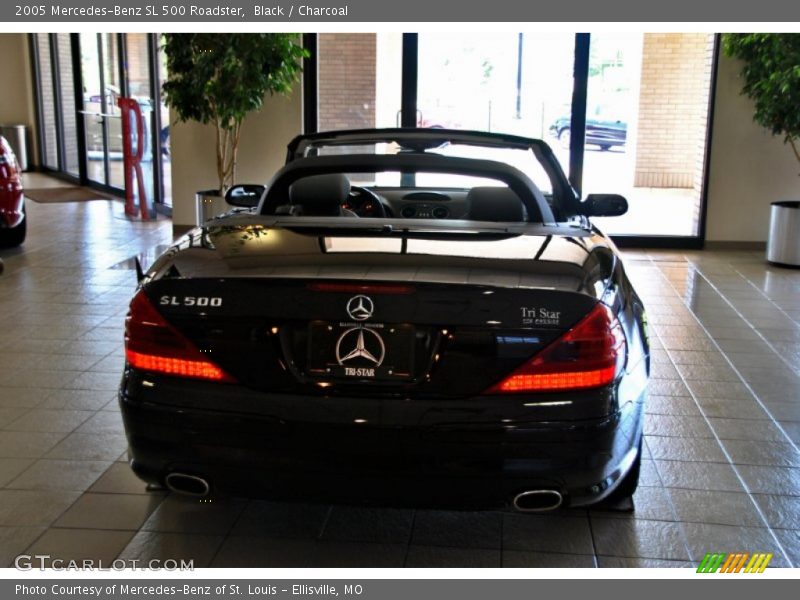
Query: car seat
(499, 204)
(321, 196)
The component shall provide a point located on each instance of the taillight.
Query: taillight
(591, 354)
(152, 344)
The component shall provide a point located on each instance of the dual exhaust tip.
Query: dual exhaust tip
(528, 501)
(188, 485)
(537, 501)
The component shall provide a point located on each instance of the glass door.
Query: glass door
(139, 85)
(646, 127)
(48, 126)
(70, 163)
(495, 81)
(102, 125)
(162, 119)
(518, 84)
(624, 113)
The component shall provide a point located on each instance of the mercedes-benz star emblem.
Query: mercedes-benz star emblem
(365, 343)
(360, 308)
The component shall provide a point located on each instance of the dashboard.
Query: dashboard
(410, 204)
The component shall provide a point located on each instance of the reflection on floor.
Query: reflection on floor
(721, 470)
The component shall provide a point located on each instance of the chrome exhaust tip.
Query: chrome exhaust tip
(188, 485)
(538, 501)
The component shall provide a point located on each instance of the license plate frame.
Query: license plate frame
(376, 352)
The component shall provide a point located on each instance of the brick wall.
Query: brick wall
(346, 80)
(138, 65)
(673, 109)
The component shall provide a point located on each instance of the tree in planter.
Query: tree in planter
(771, 74)
(219, 78)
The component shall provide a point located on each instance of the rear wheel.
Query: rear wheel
(10, 238)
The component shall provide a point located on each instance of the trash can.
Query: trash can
(17, 136)
(209, 204)
(783, 245)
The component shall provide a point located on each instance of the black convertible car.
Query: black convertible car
(602, 130)
(401, 317)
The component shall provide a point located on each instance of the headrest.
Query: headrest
(320, 195)
(495, 204)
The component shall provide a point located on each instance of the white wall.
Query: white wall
(262, 151)
(749, 168)
(16, 93)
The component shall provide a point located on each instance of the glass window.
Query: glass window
(509, 83)
(164, 134)
(49, 127)
(137, 74)
(69, 125)
(646, 124)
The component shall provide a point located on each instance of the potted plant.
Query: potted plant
(218, 79)
(771, 74)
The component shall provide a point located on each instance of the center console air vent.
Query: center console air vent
(424, 211)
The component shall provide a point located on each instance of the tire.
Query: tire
(629, 483)
(11, 238)
(564, 138)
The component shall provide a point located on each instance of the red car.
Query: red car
(13, 223)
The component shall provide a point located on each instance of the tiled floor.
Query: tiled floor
(721, 471)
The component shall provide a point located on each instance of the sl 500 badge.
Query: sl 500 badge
(200, 301)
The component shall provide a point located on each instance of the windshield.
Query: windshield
(409, 193)
(522, 159)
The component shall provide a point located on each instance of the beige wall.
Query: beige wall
(749, 168)
(262, 151)
(16, 93)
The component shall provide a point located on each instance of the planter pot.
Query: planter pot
(209, 204)
(783, 245)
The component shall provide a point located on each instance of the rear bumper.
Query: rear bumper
(323, 452)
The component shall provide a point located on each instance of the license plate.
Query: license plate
(374, 351)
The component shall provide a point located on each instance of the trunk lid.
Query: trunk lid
(356, 337)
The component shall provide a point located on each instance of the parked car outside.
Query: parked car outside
(604, 128)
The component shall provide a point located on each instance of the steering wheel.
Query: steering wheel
(364, 202)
